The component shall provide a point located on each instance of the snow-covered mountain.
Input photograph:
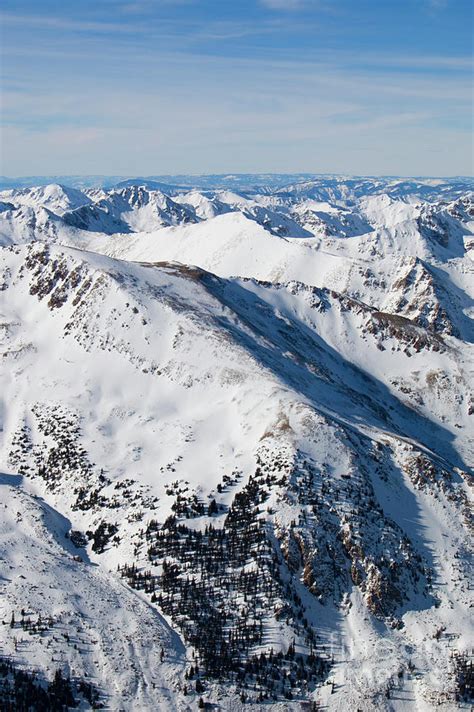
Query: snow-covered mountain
(264, 182)
(56, 198)
(236, 446)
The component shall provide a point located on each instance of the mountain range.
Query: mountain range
(236, 443)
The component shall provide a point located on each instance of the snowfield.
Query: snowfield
(236, 445)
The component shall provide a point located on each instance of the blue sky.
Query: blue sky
(141, 87)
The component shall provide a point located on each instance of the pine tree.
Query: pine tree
(212, 509)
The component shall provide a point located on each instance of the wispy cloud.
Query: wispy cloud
(284, 4)
(61, 23)
(183, 85)
(194, 29)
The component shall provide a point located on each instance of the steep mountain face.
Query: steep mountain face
(422, 293)
(232, 460)
(19, 223)
(132, 209)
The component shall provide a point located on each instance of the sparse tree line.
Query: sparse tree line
(29, 623)
(464, 676)
(220, 586)
(24, 690)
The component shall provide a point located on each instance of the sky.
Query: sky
(148, 87)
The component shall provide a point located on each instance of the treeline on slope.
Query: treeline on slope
(220, 586)
(464, 676)
(26, 691)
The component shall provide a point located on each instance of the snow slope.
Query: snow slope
(94, 628)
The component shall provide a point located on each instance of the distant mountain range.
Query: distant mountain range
(238, 181)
